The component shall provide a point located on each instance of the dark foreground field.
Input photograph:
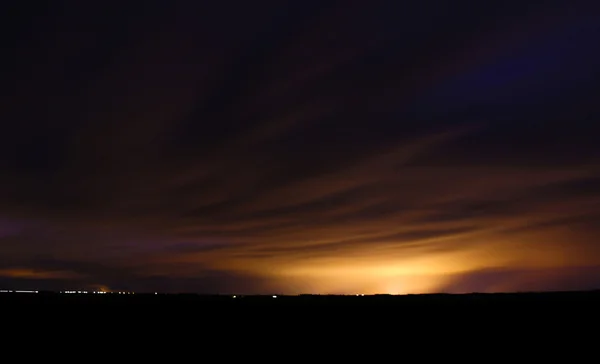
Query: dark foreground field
(328, 316)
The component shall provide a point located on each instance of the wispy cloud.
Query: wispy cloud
(276, 158)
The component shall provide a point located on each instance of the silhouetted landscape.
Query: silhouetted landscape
(186, 299)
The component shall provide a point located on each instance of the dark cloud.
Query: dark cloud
(299, 146)
(57, 274)
(525, 280)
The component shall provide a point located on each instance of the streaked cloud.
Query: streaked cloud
(272, 158)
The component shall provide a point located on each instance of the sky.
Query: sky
(325, 147)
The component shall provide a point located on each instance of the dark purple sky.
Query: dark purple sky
(300, 147)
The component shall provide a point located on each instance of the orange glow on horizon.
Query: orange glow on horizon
(425, 266)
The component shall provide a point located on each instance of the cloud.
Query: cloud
(524, 280)
(59, 274)
(21, 273)
(266, 156)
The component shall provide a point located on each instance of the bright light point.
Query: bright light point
(234, 296)
(155, 292)
(274, 296)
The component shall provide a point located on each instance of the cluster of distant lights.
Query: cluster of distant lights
(97, 292)
(66, 292)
